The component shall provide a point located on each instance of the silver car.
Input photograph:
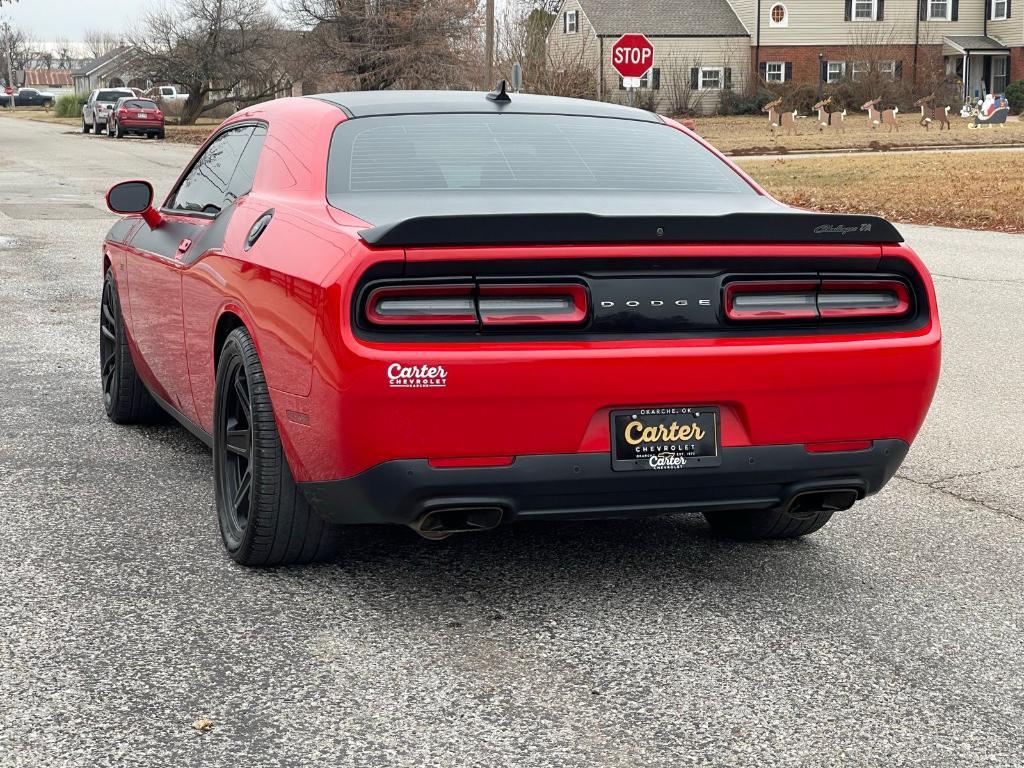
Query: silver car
(98, 107)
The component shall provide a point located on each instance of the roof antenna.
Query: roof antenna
(500, 94)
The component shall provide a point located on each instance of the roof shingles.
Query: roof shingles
(673, 18)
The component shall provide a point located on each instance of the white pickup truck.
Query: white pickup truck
(167, 93)
(97, 108)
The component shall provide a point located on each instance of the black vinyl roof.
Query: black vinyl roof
(376, 103)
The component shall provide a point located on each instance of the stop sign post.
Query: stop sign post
(632, 58)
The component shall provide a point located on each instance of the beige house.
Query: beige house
(702, 47)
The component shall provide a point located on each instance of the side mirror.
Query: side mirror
(130, 197)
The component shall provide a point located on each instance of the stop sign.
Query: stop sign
(632, 55)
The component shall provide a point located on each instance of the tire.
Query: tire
(125, 398)
(264, 518)
(160, 135)
(118, 133)
(85, 126)
(757, 525)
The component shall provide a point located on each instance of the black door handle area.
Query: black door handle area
(258, 228)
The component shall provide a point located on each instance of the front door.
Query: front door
(156, 258)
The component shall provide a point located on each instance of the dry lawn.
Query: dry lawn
(750, 135)
(971, 190)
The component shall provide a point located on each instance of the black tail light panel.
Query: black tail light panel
(627, 298)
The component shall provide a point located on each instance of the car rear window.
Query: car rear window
(139, 104)
(112, 95)
(519, 152)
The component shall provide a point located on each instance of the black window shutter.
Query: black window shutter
(622, 85)
(824, 70)
(727, 78)
(565, 22)
(956, 9)
(763, 68)
(988, 9)
(881, 11)
(848, 10)
(695, 78)
(788, 76)
(898, 71)
(656, 78)
(922, 10)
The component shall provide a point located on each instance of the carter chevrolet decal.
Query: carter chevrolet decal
(417, 376)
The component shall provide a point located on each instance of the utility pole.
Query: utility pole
(489, 46)
(8, 43)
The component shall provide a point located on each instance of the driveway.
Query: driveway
(895, 636)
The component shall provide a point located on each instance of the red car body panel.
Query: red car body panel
(338, 417)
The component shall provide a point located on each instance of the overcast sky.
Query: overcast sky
(49, 20)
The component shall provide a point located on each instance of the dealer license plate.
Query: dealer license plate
(665, 438)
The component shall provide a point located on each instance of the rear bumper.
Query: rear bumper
(141, 125)
(585, 486)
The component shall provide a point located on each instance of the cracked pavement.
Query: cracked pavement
(895, 636)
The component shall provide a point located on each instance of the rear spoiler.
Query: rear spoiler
(579, 228)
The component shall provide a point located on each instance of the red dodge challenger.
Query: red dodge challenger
(454, 310)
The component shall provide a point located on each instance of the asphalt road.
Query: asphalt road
(893, 637)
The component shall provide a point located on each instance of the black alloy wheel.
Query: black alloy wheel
(235, 459)
(125, 398)
(108, 343)
(264, 517)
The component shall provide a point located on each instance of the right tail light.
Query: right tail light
(828, 299)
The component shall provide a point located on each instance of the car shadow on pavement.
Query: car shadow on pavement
(585, 560)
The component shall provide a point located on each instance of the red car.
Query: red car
(134, 115)
(455, 310)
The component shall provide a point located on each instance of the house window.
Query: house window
(859, 69)
(571, 22)
(864, 10)
(999, 73)
(938, 10)
(778, 16)
(710, 79)
(775, 72)
(887, 69)
(836, 70)
(999, 9)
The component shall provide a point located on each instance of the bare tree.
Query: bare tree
(374, 44)
(17, 49)
(558, 71)
(222, 51)
(682, 98)
(100, 42)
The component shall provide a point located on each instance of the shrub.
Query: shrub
(1015, 95)
(733, 103)
(70, 105)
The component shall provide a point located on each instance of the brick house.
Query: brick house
(979, 42)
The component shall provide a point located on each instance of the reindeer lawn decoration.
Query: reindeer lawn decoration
(826, 119)
(878, 117)
(776, 119)
(930, 113)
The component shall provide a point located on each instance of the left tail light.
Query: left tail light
(827, 299)
(485, 305)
